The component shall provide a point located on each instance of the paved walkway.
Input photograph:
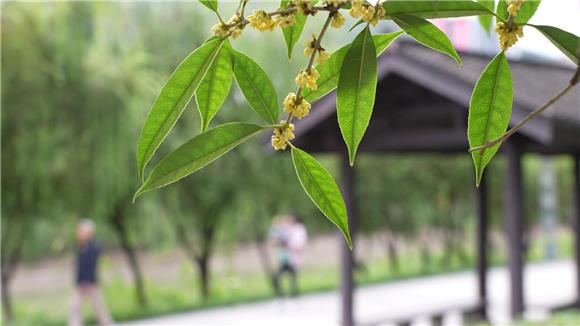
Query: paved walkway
(547, 284)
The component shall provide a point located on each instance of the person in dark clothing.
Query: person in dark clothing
(86, 276)
(87, 257)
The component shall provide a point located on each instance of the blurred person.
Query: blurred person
(86, 280)
(279, 236)
(291, 237)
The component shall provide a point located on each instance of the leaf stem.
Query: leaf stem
(530, 116)
(289, 10)
(243, 4)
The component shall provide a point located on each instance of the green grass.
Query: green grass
(182, 294)
(563, 318)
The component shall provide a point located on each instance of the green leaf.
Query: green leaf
(173, 99)
(501, 9)
(489, 111)
(210, 4)
(486, 21)
(357, 86)
(197, 153)
(215, 86)
(527, 11)
(567, 42)
(292, 33)
(435, 9)
(427, 34)
(330, 70)
(322, 190)
(256, 87)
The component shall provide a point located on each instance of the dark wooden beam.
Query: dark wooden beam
(457, 90)
(576, 223)
(481, 246)
(347, 263)
(426, 140)
(514, 227)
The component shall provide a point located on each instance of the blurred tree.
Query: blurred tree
(91, 84)
(430, 204)
(197, 211)
(31, 136)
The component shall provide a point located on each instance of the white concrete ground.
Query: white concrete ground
(547, 284)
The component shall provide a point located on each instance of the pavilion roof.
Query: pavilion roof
(556, 130)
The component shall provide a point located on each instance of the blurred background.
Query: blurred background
(78, 79)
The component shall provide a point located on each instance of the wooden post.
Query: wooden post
(514, 227)
(481, 247)
(576, 224)
(347, 264)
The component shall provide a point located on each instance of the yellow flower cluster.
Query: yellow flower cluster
(298, 107)
(220, 29)
(286, 20)
(261, 21)
(310, 46)
(514, 6)
(366, 11)
(323, 55)
(304, 7)
(282, 135)
(335, 3)
(337, 20)
(508, 35)
(233, 27)
(307, 78)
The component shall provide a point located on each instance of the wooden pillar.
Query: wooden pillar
(514, 228)
(347, 262)
(481, 248)
(576, 224)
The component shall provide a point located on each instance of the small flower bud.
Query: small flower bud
(304, 7)
(282, 135)
(261, 21)
(323, 55)
(286, 20)
(380, 13)
(356, 9)
(335, 3)
(514, 7)
(307, 78)
(310, 46)
(337, 20)
(508, 36)
(220, 30)
(367, 13)
(300, 108)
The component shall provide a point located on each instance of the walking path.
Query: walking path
(547, 285)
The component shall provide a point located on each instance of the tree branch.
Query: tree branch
(530, 116)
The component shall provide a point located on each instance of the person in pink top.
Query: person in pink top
(291, 236)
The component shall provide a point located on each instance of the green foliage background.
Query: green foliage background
(77, 82)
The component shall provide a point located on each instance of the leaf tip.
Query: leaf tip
(478, 177)
(348, 241)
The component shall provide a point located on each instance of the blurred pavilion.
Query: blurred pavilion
(422, 107)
